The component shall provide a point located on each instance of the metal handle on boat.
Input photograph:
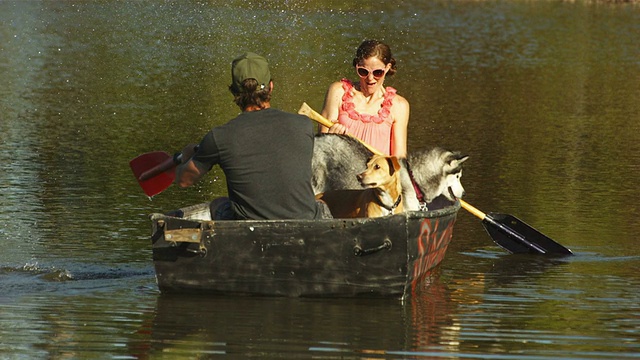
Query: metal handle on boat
(202, 251)
(359, 251)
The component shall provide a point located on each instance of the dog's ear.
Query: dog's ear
(462, 158)
(456, 159)
(394, 164)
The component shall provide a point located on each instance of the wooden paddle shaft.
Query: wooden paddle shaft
(313, 115)
(472, 209)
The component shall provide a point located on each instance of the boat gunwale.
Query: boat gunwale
(437, 213)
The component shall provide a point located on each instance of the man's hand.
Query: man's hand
(188, 152)
(187, 173)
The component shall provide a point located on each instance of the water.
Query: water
(542, 95)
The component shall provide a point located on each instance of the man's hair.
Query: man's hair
(251, 93)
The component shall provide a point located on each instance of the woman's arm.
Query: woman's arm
(332, 102)
(399, 130)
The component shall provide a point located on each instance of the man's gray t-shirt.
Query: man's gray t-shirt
(266, 158)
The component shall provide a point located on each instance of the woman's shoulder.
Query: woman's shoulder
(397, 98)
(343, 84)
(338, 88)
(400, 108)
(335, 85)
(400, 100)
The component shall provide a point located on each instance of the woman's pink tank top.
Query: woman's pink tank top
(374, 130)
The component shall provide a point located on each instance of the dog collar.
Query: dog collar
(387, 207)
(394, 206)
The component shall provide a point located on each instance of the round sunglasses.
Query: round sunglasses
(363, 72)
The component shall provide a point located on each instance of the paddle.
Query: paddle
(514, 235)
(154, 171)
(509, 232)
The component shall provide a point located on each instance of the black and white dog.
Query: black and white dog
(425, 174)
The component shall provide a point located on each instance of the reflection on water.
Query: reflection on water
(542, 95)
(333, 327)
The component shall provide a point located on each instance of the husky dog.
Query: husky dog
(337, 159)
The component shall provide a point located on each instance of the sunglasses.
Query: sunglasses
(363, 73)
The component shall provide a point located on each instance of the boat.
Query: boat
(388, 256)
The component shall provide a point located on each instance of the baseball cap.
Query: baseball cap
(249, 66)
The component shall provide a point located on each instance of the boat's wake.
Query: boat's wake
(53, 274)
(32, 278)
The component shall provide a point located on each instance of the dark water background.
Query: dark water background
(543, 95)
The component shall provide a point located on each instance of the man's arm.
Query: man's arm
(189, 172)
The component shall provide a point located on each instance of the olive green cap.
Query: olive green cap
(250, 66)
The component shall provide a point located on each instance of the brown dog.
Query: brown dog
(382, 194)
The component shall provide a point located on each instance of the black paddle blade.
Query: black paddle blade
(515, 236)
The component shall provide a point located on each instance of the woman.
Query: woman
(367, 110)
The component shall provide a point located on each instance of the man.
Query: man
(265, 153)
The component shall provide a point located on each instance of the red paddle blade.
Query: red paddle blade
(150, 163)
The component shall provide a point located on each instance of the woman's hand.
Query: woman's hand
(337, 128)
